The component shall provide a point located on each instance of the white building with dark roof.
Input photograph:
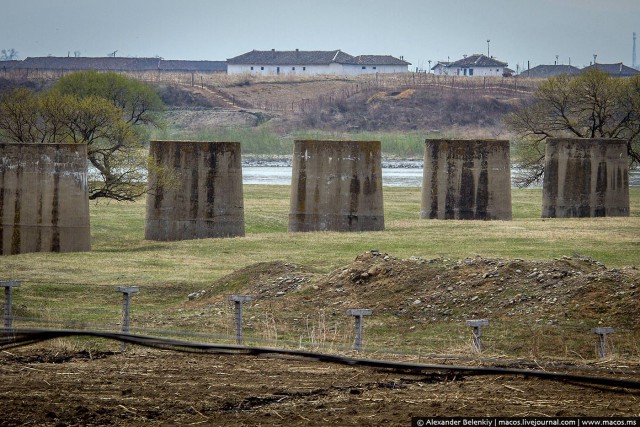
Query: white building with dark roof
(298, 62)
(473, 65)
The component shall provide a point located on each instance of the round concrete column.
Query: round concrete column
(585, 178)
(44, 198)
(336, 186)
(466, 179)
(195, 190)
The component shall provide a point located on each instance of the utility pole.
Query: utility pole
(488, 54)
(634, 62)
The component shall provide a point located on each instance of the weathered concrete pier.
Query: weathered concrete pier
(195, 190)
(336, 186)
(44, 198)
(466, 179)
(585, 178)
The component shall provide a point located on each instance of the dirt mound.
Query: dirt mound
(568, 289)
(261, 280)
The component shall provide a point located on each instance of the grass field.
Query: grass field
(77, 289)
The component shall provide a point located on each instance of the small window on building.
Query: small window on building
(471, 71)
(293, 68)
(304, 68)
(364, 68)
(262, 68)
(375, 68)
(251, 68)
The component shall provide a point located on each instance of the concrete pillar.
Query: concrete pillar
(126, 309)
(466, 179)
(585, 178)
(358, 314)
(336, 186)
(195, 191)
(477, 325)
(8, 304)
(238, 300)
(44, 198)
(601, 347)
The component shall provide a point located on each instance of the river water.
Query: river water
(405, 173)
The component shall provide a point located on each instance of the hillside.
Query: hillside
(342, 106)
(332, 104)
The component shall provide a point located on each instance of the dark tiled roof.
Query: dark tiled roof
(618, 70)
(114, 64)
(379, 60)
(313, 57)
(441, 64)
(292, 57)
(85, 63)
(546, 71)
(177, 65)
(9, 65)
(477, 60)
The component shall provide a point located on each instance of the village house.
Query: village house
(546, 71)
(67, 64)
(614, 70)
(473, 65)
(440, 67)
(298, 62)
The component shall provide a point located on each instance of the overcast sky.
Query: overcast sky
(520, 31)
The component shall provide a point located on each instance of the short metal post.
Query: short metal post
(237, 302)
(126, 309)
(8, 315)
(602, 333)
(358, 313)
(477, 332)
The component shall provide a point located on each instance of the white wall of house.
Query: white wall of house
(475, 71)
(333, 68)
(283, 69)
(350, 69)
(440, 70)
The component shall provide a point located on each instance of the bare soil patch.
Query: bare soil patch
(142, 387)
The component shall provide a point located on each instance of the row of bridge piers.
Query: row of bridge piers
(195, 188)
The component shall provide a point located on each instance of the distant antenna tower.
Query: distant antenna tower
(634, 62)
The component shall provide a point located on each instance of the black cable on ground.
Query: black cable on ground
(25, 337)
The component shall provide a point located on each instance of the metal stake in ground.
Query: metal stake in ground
(477, 332)
(237, 301)
(602, 333)
(126, 309)
(358, 314)
(8, 315)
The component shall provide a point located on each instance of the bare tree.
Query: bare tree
(590, 105)
(8, 54)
